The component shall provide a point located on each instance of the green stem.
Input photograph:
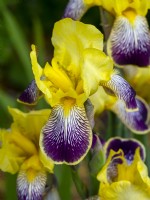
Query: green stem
(80, 186)
(63, 177)
(11, 186)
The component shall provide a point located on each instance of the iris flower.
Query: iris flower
(124, 175)
(77, 69)
(129, 40)
(20, 153)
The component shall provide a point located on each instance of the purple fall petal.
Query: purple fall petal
(136, 121)
(128, 146)
(75, 9)
(122, 90)
(31, 190)
(129, 44)
(66, 138)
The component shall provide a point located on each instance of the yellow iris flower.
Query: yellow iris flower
(78, 64)
(76, 70)
(129, 40)
(20, 153)
(121, 181)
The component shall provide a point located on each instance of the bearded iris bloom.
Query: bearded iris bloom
(129, 40)
(20, 153)
(74, 74)
(77, 69)
(124, 175)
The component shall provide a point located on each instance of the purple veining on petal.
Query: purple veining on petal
(122, 90)
(136, 121)
(67, 138)
(31, 94)
(75, 9)
(128, 146)
(130, 44)
(32, 190)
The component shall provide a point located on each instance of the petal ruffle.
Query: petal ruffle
(96, 67)
(122, 90)
(68, 50)
(22, 122)
(66, 138)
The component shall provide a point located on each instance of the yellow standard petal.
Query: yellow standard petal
(41, 81)
(11, 156)
(78, 64)
(101, 100)
(69, 39)
(96, 67)
(22, 122)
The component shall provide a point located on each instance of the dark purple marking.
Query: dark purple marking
(128, 146)
(31, 94)
(136, 121)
